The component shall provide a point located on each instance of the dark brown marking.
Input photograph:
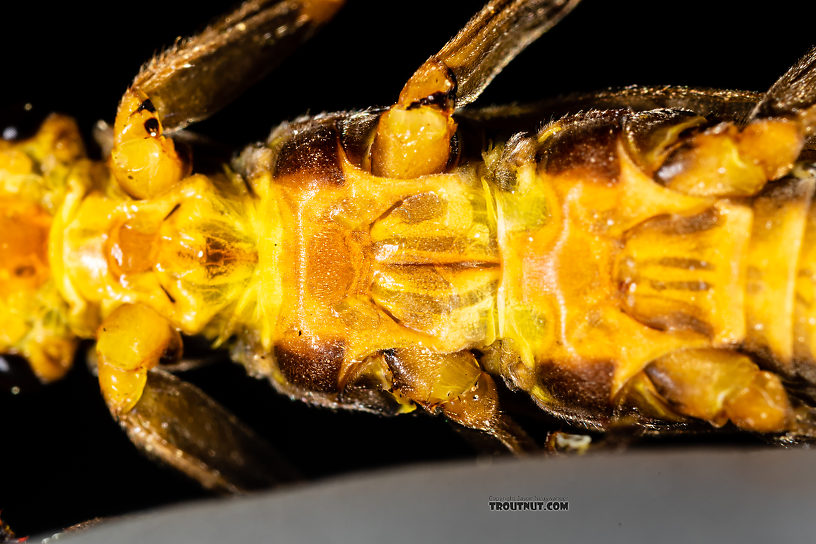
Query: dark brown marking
(586, 385)
(313, 365)
(685, 263)
(679, 285)
(652, 135)
(147, 105)
(152, 126)
(311, 154)
(216, 252)
(674, 321)
(174, 210)
(439, 100)
(673, 225)
(219, 256)
(357, 131)
(455, 152)
(24, 271)
(806, 369)
(787, 189)
(169, 296)
(586, 142)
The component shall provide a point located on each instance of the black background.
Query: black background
(62, 459)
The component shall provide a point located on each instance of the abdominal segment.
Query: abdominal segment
(630, 300)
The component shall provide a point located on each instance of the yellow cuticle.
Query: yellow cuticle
(132, 340)
(122, 389)
(146, 167)
(412, 142)
(143, 160)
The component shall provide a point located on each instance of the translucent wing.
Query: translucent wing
(493, 37)
(199, 75)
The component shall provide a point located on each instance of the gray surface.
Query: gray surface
(666, 496)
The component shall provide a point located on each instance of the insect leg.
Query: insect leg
(735, 389)
(198, 76)
(455, 385)
(413, 137)
(170, 419)
(731, 160)
(727, 160)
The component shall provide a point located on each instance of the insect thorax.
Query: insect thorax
(189, 254)
(368, 264)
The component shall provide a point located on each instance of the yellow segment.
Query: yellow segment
(804, 344)
(23, 247)
(727, 161)
(121, 389)
(144, 161)
(132, 340)
(560, 301)
(688, 272)
(36, 174)
(145, 168)
(773, 256)
(720, 385)
(412, 142)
